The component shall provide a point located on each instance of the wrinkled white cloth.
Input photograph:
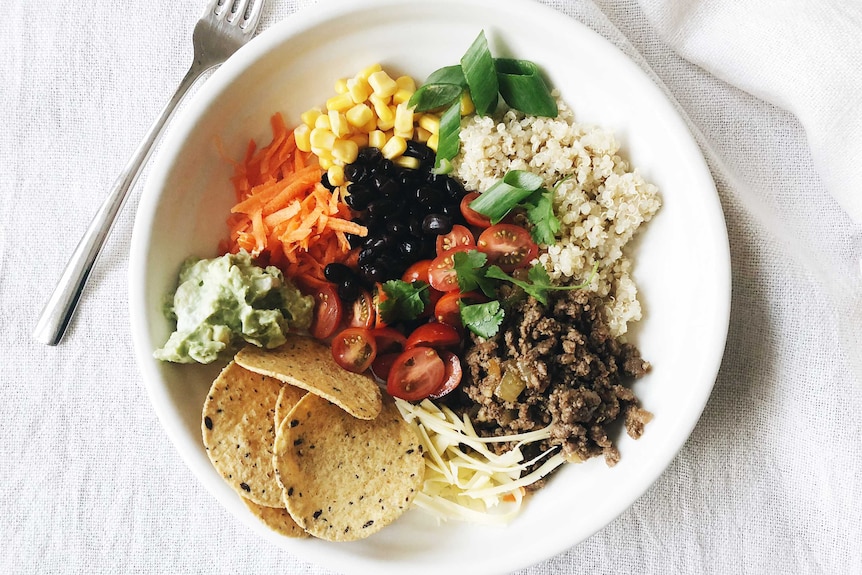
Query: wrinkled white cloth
(770, 480)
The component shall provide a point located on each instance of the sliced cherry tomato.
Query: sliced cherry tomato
(459, 236)
(415, 374)
(354, 349)
(417, 271)
(508, 246)
(452, 379)
(436, 335)
(389, 340)
(362, 314)
(441, 276)
(447, 309)
(473, 217)
(382, 365)
(327, 311)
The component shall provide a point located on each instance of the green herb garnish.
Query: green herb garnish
(432, 96)
(499, 199)
(522, 88)
(403, 300)
(471, 273)
(483, 319)
(539, 283)
(481, 75)
(448, 143)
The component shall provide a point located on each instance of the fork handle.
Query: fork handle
(61, 305)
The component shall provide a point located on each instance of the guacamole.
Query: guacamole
(224, 301)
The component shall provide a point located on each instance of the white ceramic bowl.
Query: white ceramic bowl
(682, 259)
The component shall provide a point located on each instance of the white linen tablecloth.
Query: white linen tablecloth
(769, 482)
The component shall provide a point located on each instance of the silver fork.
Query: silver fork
(225, 26)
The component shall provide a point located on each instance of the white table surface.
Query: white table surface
(769, 482)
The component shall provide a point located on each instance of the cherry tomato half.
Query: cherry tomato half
(436, 335)
(362, 311)
(382, 365)
(417, 271)
(327, 311)
(441, 275)
(452, 378)
(354, 349)
(508, 246)
(459, 236)
(389, 340)
(448, 311)
(415, 374)
(473, 217)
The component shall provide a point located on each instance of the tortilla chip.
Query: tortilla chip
(276, 518)
(239, 431)
(308, 364)
(288, 396)
(345, 478)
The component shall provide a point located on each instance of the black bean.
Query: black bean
(435, 179)
(397, 228)
(418, 150)
(381, 208)
(356, 173)
(366, 256)
(348, 290)
(325, 181)
(437, 224)
(409, 247)
(337, 273)
(451, 210)
(354, 240)
(454, 189)
(429, 196)
(369, 155)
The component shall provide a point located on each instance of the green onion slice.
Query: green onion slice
(523, 88)
(505, 194)
(447, 75)
(433, 96)
(449, 142)
(480, 72)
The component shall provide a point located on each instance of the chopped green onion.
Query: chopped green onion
(448, 75)
(499, 199)
(448, 142)
(523, 88)
(433, 96)
(478, 67)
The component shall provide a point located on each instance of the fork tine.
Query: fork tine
(217, 8)
(254, 15)
(236, 14)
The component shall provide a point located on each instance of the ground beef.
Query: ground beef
(572, 370)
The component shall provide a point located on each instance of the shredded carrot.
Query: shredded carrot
(283, 214)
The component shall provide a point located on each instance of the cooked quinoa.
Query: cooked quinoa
(600, 202)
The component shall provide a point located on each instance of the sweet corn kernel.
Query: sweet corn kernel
(377, 139)
(394, 147)
(381, 108)
(339, 103)
(467, 106)
(403, 121)
(321, 138)
(408, 162)
(345, 151)
(341, 86)
(370, 125)
(322, 122)
(401, 96)
(433, 139)
(360, 139)
(430, 122)
(406, 83)
(338, 124)
(359, 115)
(324, 162)
(366, 72)
(382, 84)
(358, 89)
(421, 134)
(387, 123)
(309, 116)
(335, 175)
(302, 133)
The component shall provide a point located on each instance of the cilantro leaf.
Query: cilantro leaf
(538, 291)
(540, 213)
(402, 300)
(483, 319)
(469, 266)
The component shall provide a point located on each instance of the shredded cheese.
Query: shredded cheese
(479, 486)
